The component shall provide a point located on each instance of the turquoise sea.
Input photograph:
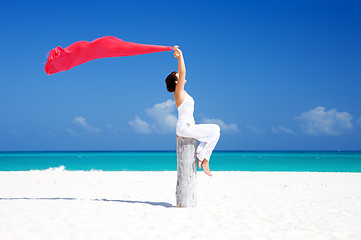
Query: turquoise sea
(167, 161)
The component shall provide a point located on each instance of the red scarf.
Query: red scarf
(60, 59)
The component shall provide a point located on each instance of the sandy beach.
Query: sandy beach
(56, 204)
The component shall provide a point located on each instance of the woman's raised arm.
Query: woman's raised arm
(181, 68)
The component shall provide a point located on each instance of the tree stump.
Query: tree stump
(186, 190)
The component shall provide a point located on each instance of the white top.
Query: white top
(185, 112)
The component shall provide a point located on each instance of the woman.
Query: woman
(206, 134)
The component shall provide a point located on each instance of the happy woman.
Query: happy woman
(206, 134)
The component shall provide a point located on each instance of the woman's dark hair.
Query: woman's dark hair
(170, 81)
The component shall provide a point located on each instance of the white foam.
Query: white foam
(61, 168)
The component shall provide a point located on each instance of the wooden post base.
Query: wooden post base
(186, 190)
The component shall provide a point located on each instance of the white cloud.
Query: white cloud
(254, 129)
(318, 121)
(163, 119)
(359, 121)
(112, 129)
(71, 132)
(280, 129)
(81, 122)
(140, 126)
(232, 127)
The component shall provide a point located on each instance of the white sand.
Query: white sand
(140, 205)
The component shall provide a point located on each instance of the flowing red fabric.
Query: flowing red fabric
(60, 59)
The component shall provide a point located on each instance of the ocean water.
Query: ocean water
(167, 161)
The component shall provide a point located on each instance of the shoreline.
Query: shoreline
(150, 151)
(61, 169)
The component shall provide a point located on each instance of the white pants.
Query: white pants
(206, 134)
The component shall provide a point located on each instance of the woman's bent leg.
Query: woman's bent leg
(200, 150)
(211, 142)
(206, 134)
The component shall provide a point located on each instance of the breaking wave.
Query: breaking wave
(62, 168)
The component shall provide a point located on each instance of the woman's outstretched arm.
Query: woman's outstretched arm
(181, 68)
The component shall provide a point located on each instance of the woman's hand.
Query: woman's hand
(177, 51)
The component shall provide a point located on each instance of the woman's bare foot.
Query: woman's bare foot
(205, 165)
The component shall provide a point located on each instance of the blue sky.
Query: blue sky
(275, 75)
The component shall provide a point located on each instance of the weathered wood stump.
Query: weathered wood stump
(186, 191)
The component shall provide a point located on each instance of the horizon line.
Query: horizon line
(215, 151)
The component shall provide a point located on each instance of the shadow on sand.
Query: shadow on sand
(163, 204)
